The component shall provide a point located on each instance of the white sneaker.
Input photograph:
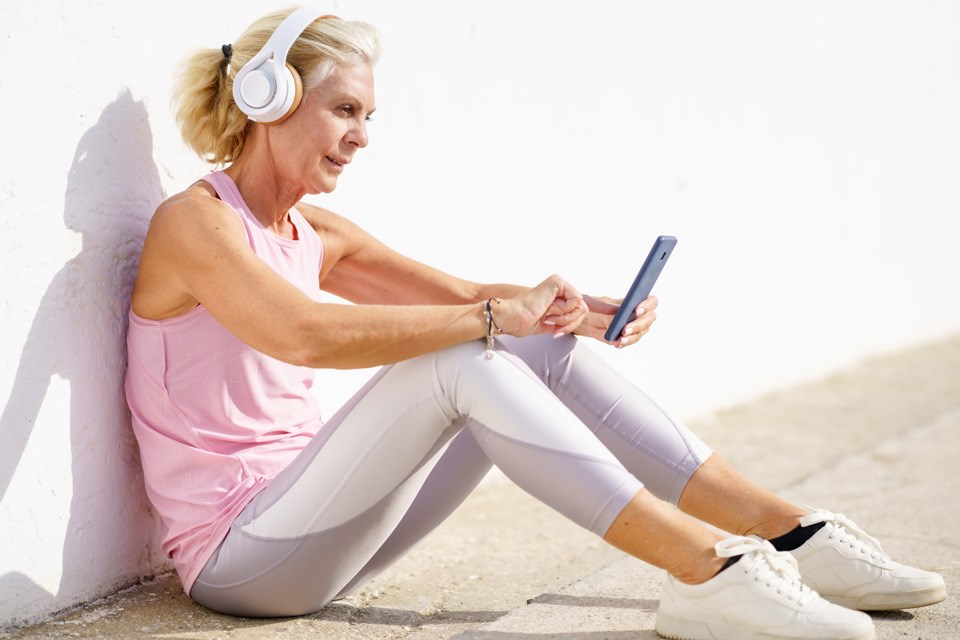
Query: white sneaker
(849, 568)
(760, 597)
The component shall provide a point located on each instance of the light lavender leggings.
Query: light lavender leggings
(410, 446)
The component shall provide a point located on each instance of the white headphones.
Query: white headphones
(267, 88)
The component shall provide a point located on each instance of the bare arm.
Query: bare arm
(360, 268)
(196, 253)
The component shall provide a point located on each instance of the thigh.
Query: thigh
(301, 540)
(460, 468)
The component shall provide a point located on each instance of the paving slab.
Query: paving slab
(878, 441)
(499, 549)
(900, 490)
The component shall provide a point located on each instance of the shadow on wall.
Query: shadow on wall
(79, 334)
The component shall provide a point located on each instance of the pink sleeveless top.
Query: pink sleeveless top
(215, 419)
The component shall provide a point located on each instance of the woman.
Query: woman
(270, 511)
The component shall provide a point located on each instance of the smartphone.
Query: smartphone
(642, 285)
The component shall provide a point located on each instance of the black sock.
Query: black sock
(787, 542)
(793, 539)
(732, 560)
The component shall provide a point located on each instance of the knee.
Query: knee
(537, 345)
(455, 357)
(547, 357)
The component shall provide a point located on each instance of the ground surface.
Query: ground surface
(879, 442)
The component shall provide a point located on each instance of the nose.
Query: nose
(357, 135)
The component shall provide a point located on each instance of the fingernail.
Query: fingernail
(627, 331)
(549, 322)
(558, 334)
(640, 311)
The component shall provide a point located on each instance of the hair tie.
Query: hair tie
(227, 51)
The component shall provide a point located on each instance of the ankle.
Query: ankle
(699, 571)
(773, 527)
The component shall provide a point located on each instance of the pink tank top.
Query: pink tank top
(215, 419)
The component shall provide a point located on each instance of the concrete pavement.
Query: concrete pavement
(878, 442)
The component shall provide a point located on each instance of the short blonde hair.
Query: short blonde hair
(210, 121)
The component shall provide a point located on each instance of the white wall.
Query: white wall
(804, 153)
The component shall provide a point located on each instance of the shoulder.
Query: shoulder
(193, 214)
(183, 238)
(198, 201)
(335, 230)
(322, 220)
(342, 239)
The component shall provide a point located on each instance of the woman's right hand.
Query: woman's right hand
(553, 306)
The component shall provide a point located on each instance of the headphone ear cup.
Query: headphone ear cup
(294, 87)
(255, 90)
(268, 94)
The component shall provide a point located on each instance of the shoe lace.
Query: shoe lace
(778, 569)
(847, 531)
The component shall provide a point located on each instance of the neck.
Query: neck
(268, 193)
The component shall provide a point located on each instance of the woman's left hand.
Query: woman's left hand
(601, 311)
(553, 306)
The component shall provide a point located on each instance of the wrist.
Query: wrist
(492, 328)
(493, 310)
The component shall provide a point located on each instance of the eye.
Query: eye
(350, 111)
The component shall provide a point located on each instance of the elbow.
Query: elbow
(308, 353)
(324, 359)
(309, 347)
(303, 345)
(326, 341)
(317, 359)
(303, 358)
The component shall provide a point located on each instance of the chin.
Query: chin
(324, 186)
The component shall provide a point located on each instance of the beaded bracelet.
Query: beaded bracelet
(491, 325)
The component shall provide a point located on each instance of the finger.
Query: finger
(543, 298)
(647, 305)
(562, 330)
(627, 341)
(568, 293)
(562, 313)
(633, 338)
(575, 315)
(562, 305)
(567, 322)
(604, 306)
(641, 324)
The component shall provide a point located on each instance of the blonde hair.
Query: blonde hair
(210, 121)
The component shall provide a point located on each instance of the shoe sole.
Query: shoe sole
(674, 628)
(892, 601)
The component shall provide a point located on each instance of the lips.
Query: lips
(338, 164)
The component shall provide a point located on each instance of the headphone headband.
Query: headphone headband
(267, 89)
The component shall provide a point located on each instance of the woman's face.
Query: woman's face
(328, 128)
